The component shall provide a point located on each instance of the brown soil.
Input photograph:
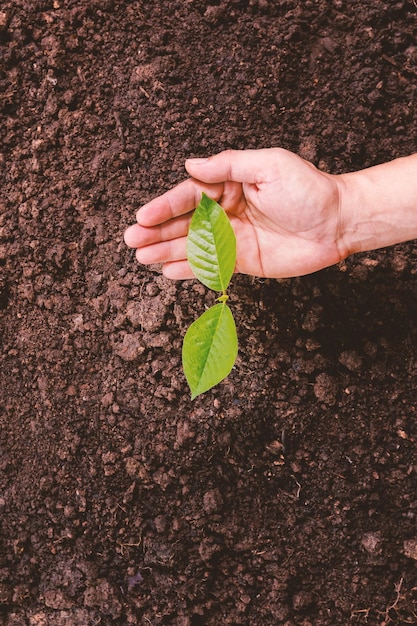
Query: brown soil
(288, 494)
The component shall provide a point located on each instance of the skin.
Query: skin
(289, 218)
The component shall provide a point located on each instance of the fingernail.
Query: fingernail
(197, 161)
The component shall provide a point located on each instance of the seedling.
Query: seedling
(210, 344)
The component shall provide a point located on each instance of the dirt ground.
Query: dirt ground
(287, 494)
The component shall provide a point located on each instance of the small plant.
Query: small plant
(210, 344)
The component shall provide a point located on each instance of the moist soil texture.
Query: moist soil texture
(288, 493)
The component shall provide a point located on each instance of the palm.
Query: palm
(283, 227)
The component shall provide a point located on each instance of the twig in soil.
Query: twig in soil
(386, 615)
(297, 495)
(128, 545)
(397, 588)
(81, 76)
(145, 93)
(358, 612)
(119, 129)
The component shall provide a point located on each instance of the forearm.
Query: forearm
(378, 205)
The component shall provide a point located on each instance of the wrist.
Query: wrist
(378, 205)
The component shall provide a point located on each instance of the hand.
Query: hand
(284, 211)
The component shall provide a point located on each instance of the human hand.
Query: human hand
(284, 211)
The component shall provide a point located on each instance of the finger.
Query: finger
(163, 252)
(137, 236)
(244, 166)
(178, 270)
(177, 201)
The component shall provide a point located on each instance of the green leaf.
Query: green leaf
(211, 245)
(209, 350)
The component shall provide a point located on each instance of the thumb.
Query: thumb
(242, 166)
